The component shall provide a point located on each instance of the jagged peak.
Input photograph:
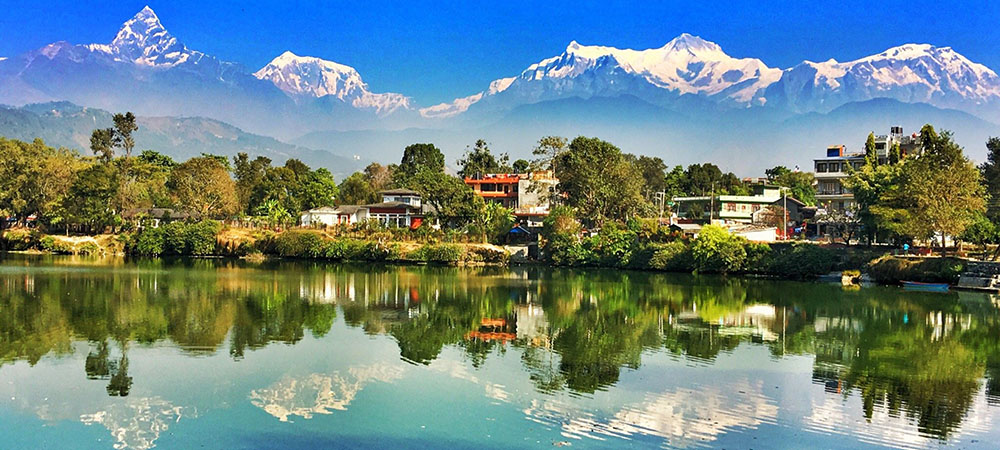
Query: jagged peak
(691, 43)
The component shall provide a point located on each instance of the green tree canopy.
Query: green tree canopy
(420, 157)
(203, 185)
(480, 161)
(599, 181)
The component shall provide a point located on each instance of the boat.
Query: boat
(918, 286)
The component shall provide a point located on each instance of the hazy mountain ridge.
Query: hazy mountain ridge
(67, 125)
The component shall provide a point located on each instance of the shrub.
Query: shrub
(51, 244)
(672, 257)
(802, 261)
(201, 237)
(174, 238)
(438, 253)
(487, 255)
(760, 257)
(20, 239)
(147, 242)
(613, 246)
(715, 250)
(89, 248)
(300, 244)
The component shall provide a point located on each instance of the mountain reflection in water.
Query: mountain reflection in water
(590, 356)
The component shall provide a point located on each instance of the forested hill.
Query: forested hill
(67, 125)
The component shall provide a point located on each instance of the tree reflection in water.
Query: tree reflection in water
(917, 355)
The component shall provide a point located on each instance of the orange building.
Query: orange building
(499, 188)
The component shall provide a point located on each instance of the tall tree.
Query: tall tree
(379, 177)
(356, 190)
(454, 201)
(418, 157)
(479, 160)
(102, 143)
(599, 181)
(871, 155)
(800, 184)
(895, 154)
(548, 150)
(653, 172)
(203, 185)
(124, 127)
(249, 174)
(990, 170)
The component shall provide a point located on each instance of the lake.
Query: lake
(231, 354)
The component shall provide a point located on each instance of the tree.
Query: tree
(356, 190)
(316, 188)
(124, 127)
(249, 174)
(90, 197)
(653, 172)
(102, 144)
(547, 151)
(494, 222)
(479, 161)
(521, 166)
(990, 170)
(203, 185)
(454, 201)
(705, 179)
(715, 250)
(840, 222)
(379, 177)
(895, 154)
(871, 155)
(938, 193)
(599, 181)
(420, 157)
(157, 159)
(800, 184)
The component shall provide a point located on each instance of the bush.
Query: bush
(612, 247)
(51, 244)
(802, 261)
(147, 242)
(89, 248)
(672, 257)
(19, 239)
(891, 270)
(201, 237)
(488, 255)
(438, 253)
(300, 244)
(715, 250)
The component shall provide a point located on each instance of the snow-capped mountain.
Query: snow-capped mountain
(912, 73)
(687, 65)
(314, 77)
(147, 70)
(690, 68)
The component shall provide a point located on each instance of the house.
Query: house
(738, 208)
(330, 216)
(526, 194)
(832, 170)
(154, 217)
(398, 208)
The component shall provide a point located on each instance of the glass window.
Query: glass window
(821, 167)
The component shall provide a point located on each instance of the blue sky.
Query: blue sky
(436, 51)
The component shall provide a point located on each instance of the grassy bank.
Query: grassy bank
(209, 238)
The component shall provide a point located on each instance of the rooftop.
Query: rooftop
(399, 191)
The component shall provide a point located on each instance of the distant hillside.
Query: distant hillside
(68, 125)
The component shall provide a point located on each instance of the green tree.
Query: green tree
(990, 170)
(871, 155)
(521, 166)
(653, 172)
(418, 158)
(800, 184)
(357, 190)
(203, 185)
(124, 127)
(89, 201)
(494, 222)
(599, 181)
(715, 250)
(249, 174)
(548, 150)
(454, 201)
(895, 154)
(102, 144)
(479, 161)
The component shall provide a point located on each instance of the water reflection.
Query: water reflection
(910, 365)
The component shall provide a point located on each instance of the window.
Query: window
(821, 167)
(834, 167)
(731, 207)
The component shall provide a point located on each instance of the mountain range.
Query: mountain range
(686, 101)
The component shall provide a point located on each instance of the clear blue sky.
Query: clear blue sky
(438, 51)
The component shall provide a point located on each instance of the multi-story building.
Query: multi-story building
(832, 170)
(526, 194)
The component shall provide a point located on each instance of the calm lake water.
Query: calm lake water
(229, 354)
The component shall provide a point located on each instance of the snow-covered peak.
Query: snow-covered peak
(307, 76)
(685, 65)
(143, 40)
